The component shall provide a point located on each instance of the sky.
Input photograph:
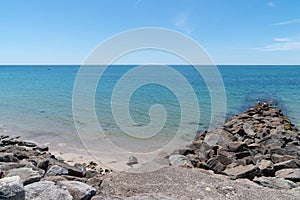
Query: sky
(231, 31)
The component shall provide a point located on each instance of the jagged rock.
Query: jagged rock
(132, 160)
(46, 190)
(274, 182)
(266, 167)
(215, 165)
(43, 148)
(5, 166)
(180, 161)
(7, 157)
(290, 174)
(236, 146)
(11, 188)
(79, 191)
(248, 171)
(248, 129)
(56, 170)
(280, 158)
(183, 151)
(43, 164)
(27, 175)
(287, 164)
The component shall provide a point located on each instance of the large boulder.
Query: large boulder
(79, 190)
(27, 175)
(274, 182)
(7, 157)
(46, 190)
(248, 171)
(56, 170)
(11, 188)
(290, 174)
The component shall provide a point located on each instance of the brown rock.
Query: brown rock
(248, 171)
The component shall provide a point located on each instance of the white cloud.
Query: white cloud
(182, 22)
(282, 39)
(281, 46)
(293, 21)
(271, 4)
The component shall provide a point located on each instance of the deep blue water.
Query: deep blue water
(37, 100)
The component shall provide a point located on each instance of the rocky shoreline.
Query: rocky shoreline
(259, 147)
(260, 144)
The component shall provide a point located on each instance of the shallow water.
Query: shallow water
(36, 101)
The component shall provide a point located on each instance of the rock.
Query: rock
(280, 158)
(72, 170)
(248, 171)
(266, 167)
(236, 146)
(81, 167)
(290, 174)
(27, 175)
(180, 161)
(46, 190)
(43, 148)
(79, 191)
(29, 144)
(241, 155)
(132, 161)
(5, 166)
(7, 157)
(43, 164)
(287, 164)
(215, 165)
(56, 170)
(248, 129)
(274, 182)
(11, 188)
(183, 151)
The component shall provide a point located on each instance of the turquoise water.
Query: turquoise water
(36, 101)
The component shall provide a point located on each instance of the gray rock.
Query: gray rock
(183, 151)
(280, 158)
(215, 165)
(79, 190)
(132, 161)
(266, 167)
(45, 190)
(248, 129)
(274, 182)
(29, 144)
(11, 188)
(248, 171)
(56, 170)
(43, 148)
(180, 161)
(43, 164)
(287, 164)
(290, 174)
(27, 175)
(7, 157)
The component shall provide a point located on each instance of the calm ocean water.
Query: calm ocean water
(36, 101)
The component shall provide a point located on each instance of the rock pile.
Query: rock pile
(29, 171)
(260, 144)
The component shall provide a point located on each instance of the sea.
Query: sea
(36, 102)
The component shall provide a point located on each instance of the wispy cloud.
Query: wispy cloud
(282, 39)
(293, 21)
(182, 22)
(271, 4)
(281, 44)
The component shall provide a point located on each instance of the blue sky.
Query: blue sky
(231, 31)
